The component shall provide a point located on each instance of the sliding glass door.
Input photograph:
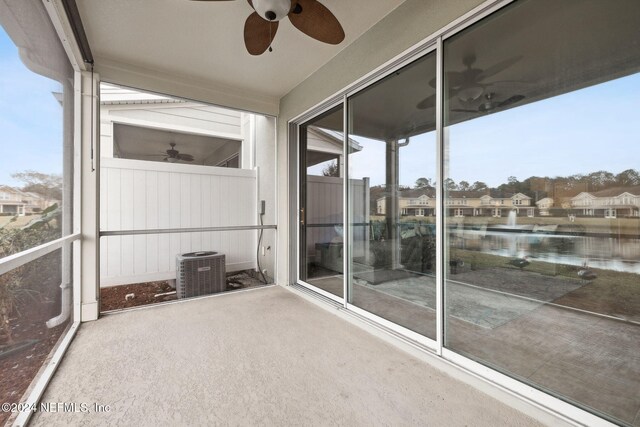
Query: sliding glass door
(321, 231)
(500, 226)
(542, 199)
(392, 198)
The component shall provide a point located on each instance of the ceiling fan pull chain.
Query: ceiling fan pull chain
(270, 37)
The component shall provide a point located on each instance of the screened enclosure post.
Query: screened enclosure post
(294, 200)
(439, 199)
(90, 197)
(347, 234)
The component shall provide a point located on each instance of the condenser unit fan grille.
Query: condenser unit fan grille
(200, 273)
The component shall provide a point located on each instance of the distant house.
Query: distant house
(12, 201)
(17, 202)
(610, 203)
(415, 202)
(421, 202)
(544, 206)
(37, 202)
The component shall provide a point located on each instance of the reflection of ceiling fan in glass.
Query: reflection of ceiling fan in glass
(470, 84)
(490, 103)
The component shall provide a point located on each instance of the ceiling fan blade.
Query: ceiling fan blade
(258, 34)
(185, 157)
(316, 21)
(454, 79)
(507, 82)
(512, 100)
(460, 110)
(428, 102)
(497, 68)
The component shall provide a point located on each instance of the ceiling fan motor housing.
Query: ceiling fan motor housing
(272, 10)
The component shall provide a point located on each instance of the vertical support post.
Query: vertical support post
(392, 193)
(247, 150)
(291, 259)
(302, 203)
(347, 232)
(257, 217)
(440, 224)
(366, 218)
(77, 195)
(90, 274)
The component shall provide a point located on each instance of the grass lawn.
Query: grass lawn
(613, 293)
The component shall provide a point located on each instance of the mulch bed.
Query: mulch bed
(19, 364)
(115, 297)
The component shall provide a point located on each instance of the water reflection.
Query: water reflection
(609, 253)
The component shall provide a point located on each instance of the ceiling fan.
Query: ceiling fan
(309, 16)
(469, 84)
(174, 156)
(490, 104)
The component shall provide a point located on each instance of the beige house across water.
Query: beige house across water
(609, 203)
(422, 202)
(619, 202)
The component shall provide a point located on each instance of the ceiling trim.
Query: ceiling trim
(62, 25)
(183, 86)
(148, 124)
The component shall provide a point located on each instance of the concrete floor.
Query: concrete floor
(262, 357)
(587, 359)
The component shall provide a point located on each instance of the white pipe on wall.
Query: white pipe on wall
(65, 303)
(67, 203)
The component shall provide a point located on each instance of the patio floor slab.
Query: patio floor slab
(261, 357)
(585, 358)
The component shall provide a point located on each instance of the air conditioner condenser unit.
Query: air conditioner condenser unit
(200, 273)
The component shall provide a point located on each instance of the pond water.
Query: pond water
(608, 253)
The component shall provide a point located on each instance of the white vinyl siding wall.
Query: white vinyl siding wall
(138, 195)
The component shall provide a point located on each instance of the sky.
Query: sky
(30, 118)
(596, 128)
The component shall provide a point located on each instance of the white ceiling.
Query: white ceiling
(204, 40)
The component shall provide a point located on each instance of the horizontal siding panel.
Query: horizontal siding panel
(212, 115)
(169, 120)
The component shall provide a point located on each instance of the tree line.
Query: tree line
(540, 187)
(46, 185)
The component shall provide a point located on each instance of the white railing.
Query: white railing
(12, 262)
